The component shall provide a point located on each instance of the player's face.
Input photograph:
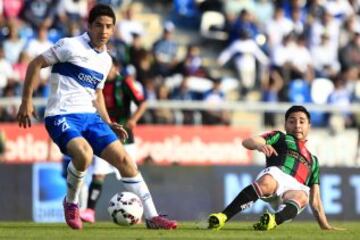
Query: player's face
(101, 30)
(297, 125)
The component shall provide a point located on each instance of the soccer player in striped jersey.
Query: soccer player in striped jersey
(290, 180)
(76, 117)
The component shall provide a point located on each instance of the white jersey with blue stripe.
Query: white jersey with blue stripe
(78, 70)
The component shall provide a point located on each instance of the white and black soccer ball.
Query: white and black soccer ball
(125, 208)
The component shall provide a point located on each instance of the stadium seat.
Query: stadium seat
(211, 26)
(299, 91)
(320, 91)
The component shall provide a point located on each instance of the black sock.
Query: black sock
(242, 201)
(95, 189)
(289, 212)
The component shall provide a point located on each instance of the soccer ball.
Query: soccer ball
(125, 209)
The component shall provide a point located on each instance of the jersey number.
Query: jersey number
(62, 122)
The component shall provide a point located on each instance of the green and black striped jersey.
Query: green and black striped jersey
(118, 95)
(293, 157)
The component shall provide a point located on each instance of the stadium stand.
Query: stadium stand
(296, 54)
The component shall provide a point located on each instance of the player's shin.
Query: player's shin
(138, 186)
(95, 190)
(74, 182)
(289, 212)
(242, 201)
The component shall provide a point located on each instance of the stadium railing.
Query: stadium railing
(230, 106)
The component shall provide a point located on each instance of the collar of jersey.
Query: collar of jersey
(88, 40)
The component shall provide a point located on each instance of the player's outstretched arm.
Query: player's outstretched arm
(259, 143)
(318, 209)
(26, 109)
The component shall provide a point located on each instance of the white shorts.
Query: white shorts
(102, 167)
(285, 183)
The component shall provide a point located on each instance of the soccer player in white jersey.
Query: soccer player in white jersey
(76, 117)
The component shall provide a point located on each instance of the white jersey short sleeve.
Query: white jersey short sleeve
(60, 52)
(78, 71)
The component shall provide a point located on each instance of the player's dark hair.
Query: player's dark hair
(297, 108)
(101, 10)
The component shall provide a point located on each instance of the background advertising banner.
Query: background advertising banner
(28, 145)
(49, 189)
(16, 192)
(192, 145)
(162, 145)
(184, 145)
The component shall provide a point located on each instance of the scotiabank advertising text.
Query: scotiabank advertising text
(164, 145)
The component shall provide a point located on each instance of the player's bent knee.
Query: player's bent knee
(267, 185)
(303, 199)
(300, 197)
(81, 153)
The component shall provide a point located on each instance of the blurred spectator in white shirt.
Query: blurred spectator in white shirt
(13, 44)
(245, 52)
(340, 9)
(327, 25)
(283, 52)
(325, 59)
(36, 47)
(72, 10)
(165, 52)
(301, 61)
(128, 26)
(341, 98)
(6, 70)
(39, 44)
(264, 10)
(278, 27)
(215, 96)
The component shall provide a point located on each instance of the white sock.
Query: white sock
(74, 182)
(83, 196)
(138, 186)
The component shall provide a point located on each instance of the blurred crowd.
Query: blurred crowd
(281, 51)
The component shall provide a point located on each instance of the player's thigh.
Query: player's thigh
(299, 196)
(80, 150)
(267, 181)
(99, 134)
(63, 128)
(115, 154)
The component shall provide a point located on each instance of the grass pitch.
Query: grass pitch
(185, 231)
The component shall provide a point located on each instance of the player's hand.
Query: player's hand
(331, 228)
(25, 112)
(268, 150)
(120, 131)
